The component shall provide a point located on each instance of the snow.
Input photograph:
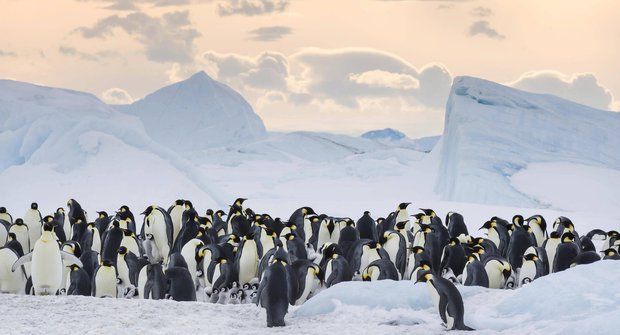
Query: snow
(197, 113)
(576, 301)
(492, 131)
(384, 134)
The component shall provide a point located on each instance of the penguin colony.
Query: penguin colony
(245, 257)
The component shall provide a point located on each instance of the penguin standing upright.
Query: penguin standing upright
(335, 266)
(474, 273)
(33, 219)
(104, 281)
(532, 268)
(79, 282)
(176, 215)
(566, 252)
(447, 299)
(180, 285)
(46, 263)
(520, 240)
(112, 241)
(498, 234)
(5, 215)
(22, 235)
(76, 216)
(247, 260)
(273, 292)
(396, 247)
(158, 230)
(539, 228)
(367, 227)
(454, 257)
(456, 225)
(11, 281)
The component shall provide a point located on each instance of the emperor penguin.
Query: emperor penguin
(336, 267)
(4, 231)
(247, 259)
(402, 215)
(551, 246)
(190, 253)
(104, 280)
(223, 275)
(294, 245)
(79, 282)
(11, 281)
(76, 213)
(273, 292)
(152, 282)
(454, 257)
(22, 234)
(327, 232)
(301, 219)
(498, 234)
(176, 215)
(46, 263)
(309, 277)
(456, 225)
(586, 257)
(396, 247)
(539, 228)
(565, 253)
(474, 273)
(611, 254)
(364, 252)
(447, 299)
(62, 219)
(5, 215)
(126, 218)
(531, 269)
(498, 271)
(158, 230)
(128, 267)
(33, 219)
(380, 269)
(367, 227)
(520, 240)
(112, 241)
(102, 222)
(180, 284)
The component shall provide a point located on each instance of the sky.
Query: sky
(344, 66)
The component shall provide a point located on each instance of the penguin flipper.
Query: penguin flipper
(21, 261)
(443, 307)
(70, 258)
(261, 287)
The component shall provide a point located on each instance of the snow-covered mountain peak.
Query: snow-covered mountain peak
(384, 134)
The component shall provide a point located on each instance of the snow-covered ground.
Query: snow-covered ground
(577, 301)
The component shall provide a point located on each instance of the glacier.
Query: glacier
(493, 131)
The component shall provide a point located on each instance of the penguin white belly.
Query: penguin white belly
(248, 262)
(160, 237)
(142, 279)
(494, 272)
(131, 245)
(528, 271)
(434, 294)
(176, 214)
(4, 234)
(46, 267)
(328, 269)
(391, 247)
(10, 282)
(410, 267)
(493, 236)
(189, 254)
(464, 274)
(307, 229)
(22, 236)
(539, 234)
(105, 282)
(66, 226)
(32, 219)
(324, 236)
(419, 239)
(374, 276)
(217, 272)
(96, 246)
(449, 319)
(551, 248)
(123, 273)
(308, 286)
(267, 242)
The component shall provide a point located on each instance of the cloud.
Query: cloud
(93, 57)
(116, 96)
(482, 27)
(267, 34)
(251, 7)
(583, 88)
(379, 78)
(133, 5)
(7, 53)
(169, 38)
(481, 11)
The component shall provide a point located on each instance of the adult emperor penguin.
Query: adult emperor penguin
(539, 228)
(309, 277)
(104, 281)
(102, 222)
(586, 257)
(294, 245)
(301, 219)
(176, 215)
(520, 240)
(247, 259)
(78, 283)
(336, 266)
(498, 271)
(5, 215)
(566, 252)
(456, 225)
(611, 254)
(454, 257)
(126, 218)
(498, 234)
(551, 245)
(180, 284)
(112, 241)
(447, 299)
(11, 281)
(396, 247)
(76, 213)
(190, 253)
(363, 252)
(32, 219)
(474, 273)
(273, 292)
(327, 232)
(46, 263)
(4, 231)
(367, 227)
(20, 229)
(531, 269)
(380, 269)
(158, 230)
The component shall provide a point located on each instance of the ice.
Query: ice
(384, 134)
(492, 131)
(197, 113)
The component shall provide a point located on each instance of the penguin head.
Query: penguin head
(122, 250)
(19, 221)
(367, 273)
(517, 220)
(11, 237)
(34, 206)
(60, 210)
(73, 267)
(146, 212)
(307, 211)
(426, 229)
(116, 224)
(246, 286)
(568, 237)
(454, 242)
(425, 265)
(488, 225)
(424, 276)
(188, 204)
(220, 213)
(428, 212)
(48, 226)
(106, 262)
(2, 210)
(401, 225)
(530, 257)
(610, 252)
(418, 217)
(403, 205)
(48, 218)
(569, 225)
(418, 249)
(179, 202)
(239, 202)
(102, 214)
(506, 270)
(124, 209)
(209, 212)
(554, 234)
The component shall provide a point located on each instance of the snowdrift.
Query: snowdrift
(492, 131)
